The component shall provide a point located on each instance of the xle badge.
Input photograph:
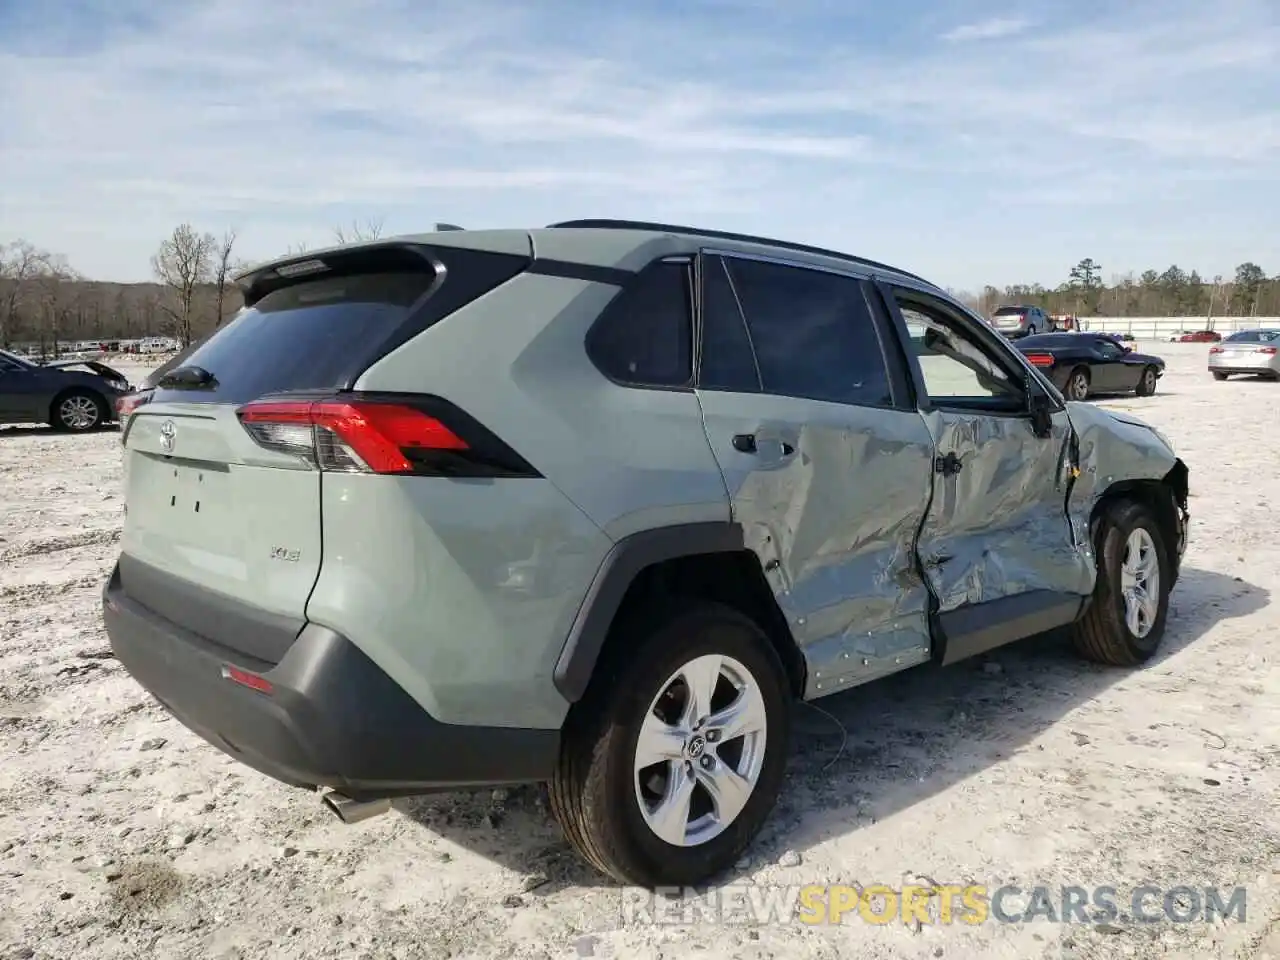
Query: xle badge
(283, 553)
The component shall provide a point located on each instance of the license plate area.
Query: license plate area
(193, 490)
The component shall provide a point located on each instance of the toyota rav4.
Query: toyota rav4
(595, 505)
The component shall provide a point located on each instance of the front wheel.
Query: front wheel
(78, 411)
(1126, 617)
(1147, 383)
(670, 767)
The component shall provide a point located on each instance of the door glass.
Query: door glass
(953, 364)
(728, 361)
(1109, 350)
(812, 332)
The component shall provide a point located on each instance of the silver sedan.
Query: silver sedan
(1248, 351)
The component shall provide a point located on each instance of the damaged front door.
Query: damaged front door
(997, 545)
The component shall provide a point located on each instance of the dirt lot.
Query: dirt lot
(121, 833)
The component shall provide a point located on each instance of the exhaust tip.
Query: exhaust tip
(353, 811)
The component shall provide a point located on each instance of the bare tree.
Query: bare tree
(184, 261)
(369, 230)
(222, 267)
(54, 292)
(20, 264)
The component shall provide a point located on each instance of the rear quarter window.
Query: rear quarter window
(644, 337)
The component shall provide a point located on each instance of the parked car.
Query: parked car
(1080, 364)
(1024, 321)
(1200, 336)
(352, 562)
(1248, 351)
(59, 394)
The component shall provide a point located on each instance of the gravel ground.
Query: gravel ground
(120, 832)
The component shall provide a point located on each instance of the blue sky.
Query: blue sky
(974, 142)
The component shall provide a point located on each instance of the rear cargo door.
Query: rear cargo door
(222, 530)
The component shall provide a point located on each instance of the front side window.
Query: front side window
(954, 364)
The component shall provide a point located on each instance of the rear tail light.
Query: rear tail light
(1040, 359)
(1215, 349)
(360, 434)
(130, 402)
(1269, 351)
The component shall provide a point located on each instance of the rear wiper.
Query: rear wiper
(188, 378)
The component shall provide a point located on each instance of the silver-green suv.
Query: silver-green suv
(596, 504)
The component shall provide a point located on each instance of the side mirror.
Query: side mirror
(1040, 406)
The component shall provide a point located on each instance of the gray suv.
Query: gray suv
(1021, 321)
(595, 505)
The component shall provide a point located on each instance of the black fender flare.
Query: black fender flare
(624, 561)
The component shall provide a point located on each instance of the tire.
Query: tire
(1219, 376)
(1078, 384)
(1105, 634)
(1147, 382)
(78, 411)
(600, 798)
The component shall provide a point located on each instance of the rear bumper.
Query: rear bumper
(1269, 367)
(332, 718)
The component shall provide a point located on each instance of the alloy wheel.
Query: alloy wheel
(1140, 583)
(700, 750)
(78, 412)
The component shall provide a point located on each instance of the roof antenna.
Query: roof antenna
(442, 227)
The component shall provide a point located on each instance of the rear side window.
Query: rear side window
(727, 360)
(644, 338)
(812, 332)
(303, 337)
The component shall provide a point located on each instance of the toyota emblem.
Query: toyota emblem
(168, 435)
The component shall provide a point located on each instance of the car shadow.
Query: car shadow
(906, 728)
(17, 431)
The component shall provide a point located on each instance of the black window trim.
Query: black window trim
(1009, 359)
(634, 280)
(895, 373)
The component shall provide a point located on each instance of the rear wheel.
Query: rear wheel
(670, 767)
(1078, 384)
(78, 411)
(1147, 383)
(1126, 617)
(1219, 376)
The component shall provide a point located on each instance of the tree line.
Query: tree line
(45, 301)
(1173, 292)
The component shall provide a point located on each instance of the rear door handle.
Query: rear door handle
(746, 443)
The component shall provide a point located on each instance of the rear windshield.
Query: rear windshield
(1009, 311)
(309, 336)
(1255, 336)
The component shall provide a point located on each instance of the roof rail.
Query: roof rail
(723, 235)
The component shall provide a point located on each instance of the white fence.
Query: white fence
(1161, 328)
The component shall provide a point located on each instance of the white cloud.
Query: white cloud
(284, 119)
(992, 29)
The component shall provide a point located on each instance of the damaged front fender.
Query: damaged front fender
(1118, 454)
